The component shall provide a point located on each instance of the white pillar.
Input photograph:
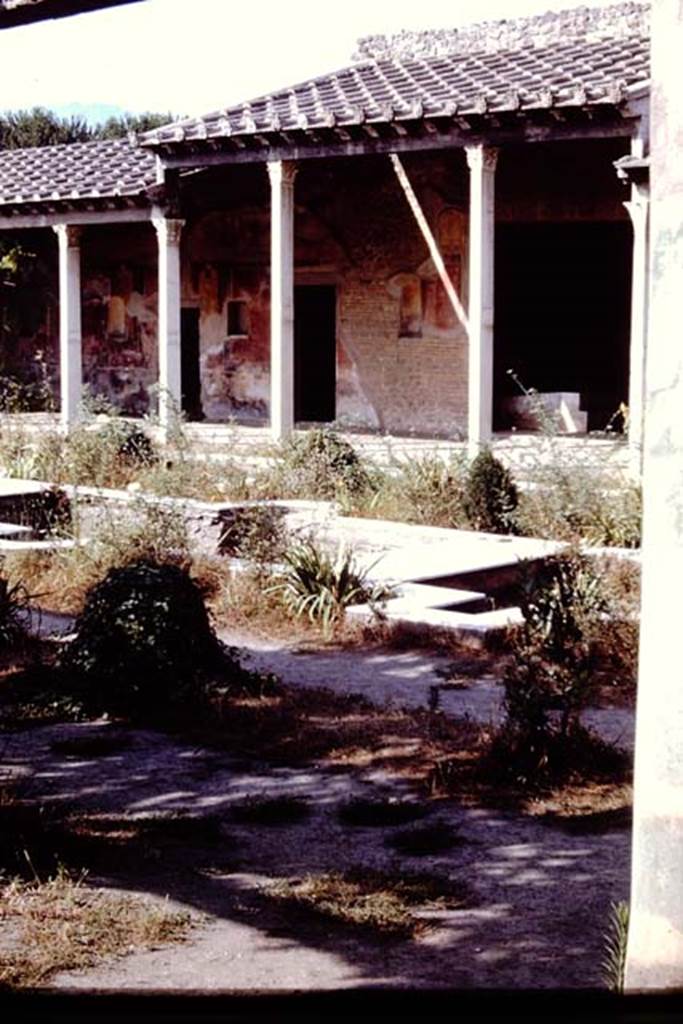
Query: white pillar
(638, 208)
(168, 237)
(70, 358)
(482, 163)
(282, 174)
(655, 943)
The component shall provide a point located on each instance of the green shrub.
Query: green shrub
(144, 646)
(315, 583)
(48, 512)
(490, 497)
(551, 674)
(321, 464)
(136, 448)
(256, 533)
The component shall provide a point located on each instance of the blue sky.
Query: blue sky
(193, 56)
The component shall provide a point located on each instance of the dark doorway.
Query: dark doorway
(190, 381)
(315, 353)
(562, 319)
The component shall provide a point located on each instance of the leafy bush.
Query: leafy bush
(551, 675)
(142, 532)
(315, 583)
(144, 646)
(136, 448)
(256, 533)
(321, 464)
(490, 498)
(47, 512)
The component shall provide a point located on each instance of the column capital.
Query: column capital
(282, 173)
(168, 229)
(68, 234)
(482, 157)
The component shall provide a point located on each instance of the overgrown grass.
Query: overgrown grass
(569, 501)
(63, 576)
(386, 904)
(62, 924)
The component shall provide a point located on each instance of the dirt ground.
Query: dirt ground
(540, 891)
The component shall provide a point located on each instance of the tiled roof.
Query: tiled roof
(577, 73)
(81, 170)
(586, 24)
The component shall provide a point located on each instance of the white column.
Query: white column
(655, 944)
(70, 358)
(282, 174)
(482, 163)
(168, 237)
(638, 208)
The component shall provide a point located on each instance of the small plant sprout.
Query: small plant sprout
(614, 960)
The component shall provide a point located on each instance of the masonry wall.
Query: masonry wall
(119, 315)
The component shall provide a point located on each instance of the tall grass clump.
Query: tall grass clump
(314, 583)
(570, 500)
(427, 490)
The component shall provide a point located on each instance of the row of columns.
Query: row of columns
(482, 166)
(70, 335)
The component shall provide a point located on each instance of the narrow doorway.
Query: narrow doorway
(190, 380)
(315, 346)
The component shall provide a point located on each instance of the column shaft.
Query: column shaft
(282, 174)
(482, 164)
(638, 209)
(168, 236)
(70, 357)
(655, 943)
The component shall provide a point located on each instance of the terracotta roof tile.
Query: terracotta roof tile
(80, 170)
(574, 73)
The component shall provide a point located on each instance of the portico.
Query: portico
(255, 214)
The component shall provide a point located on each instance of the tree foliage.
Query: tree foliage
(21, 129)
